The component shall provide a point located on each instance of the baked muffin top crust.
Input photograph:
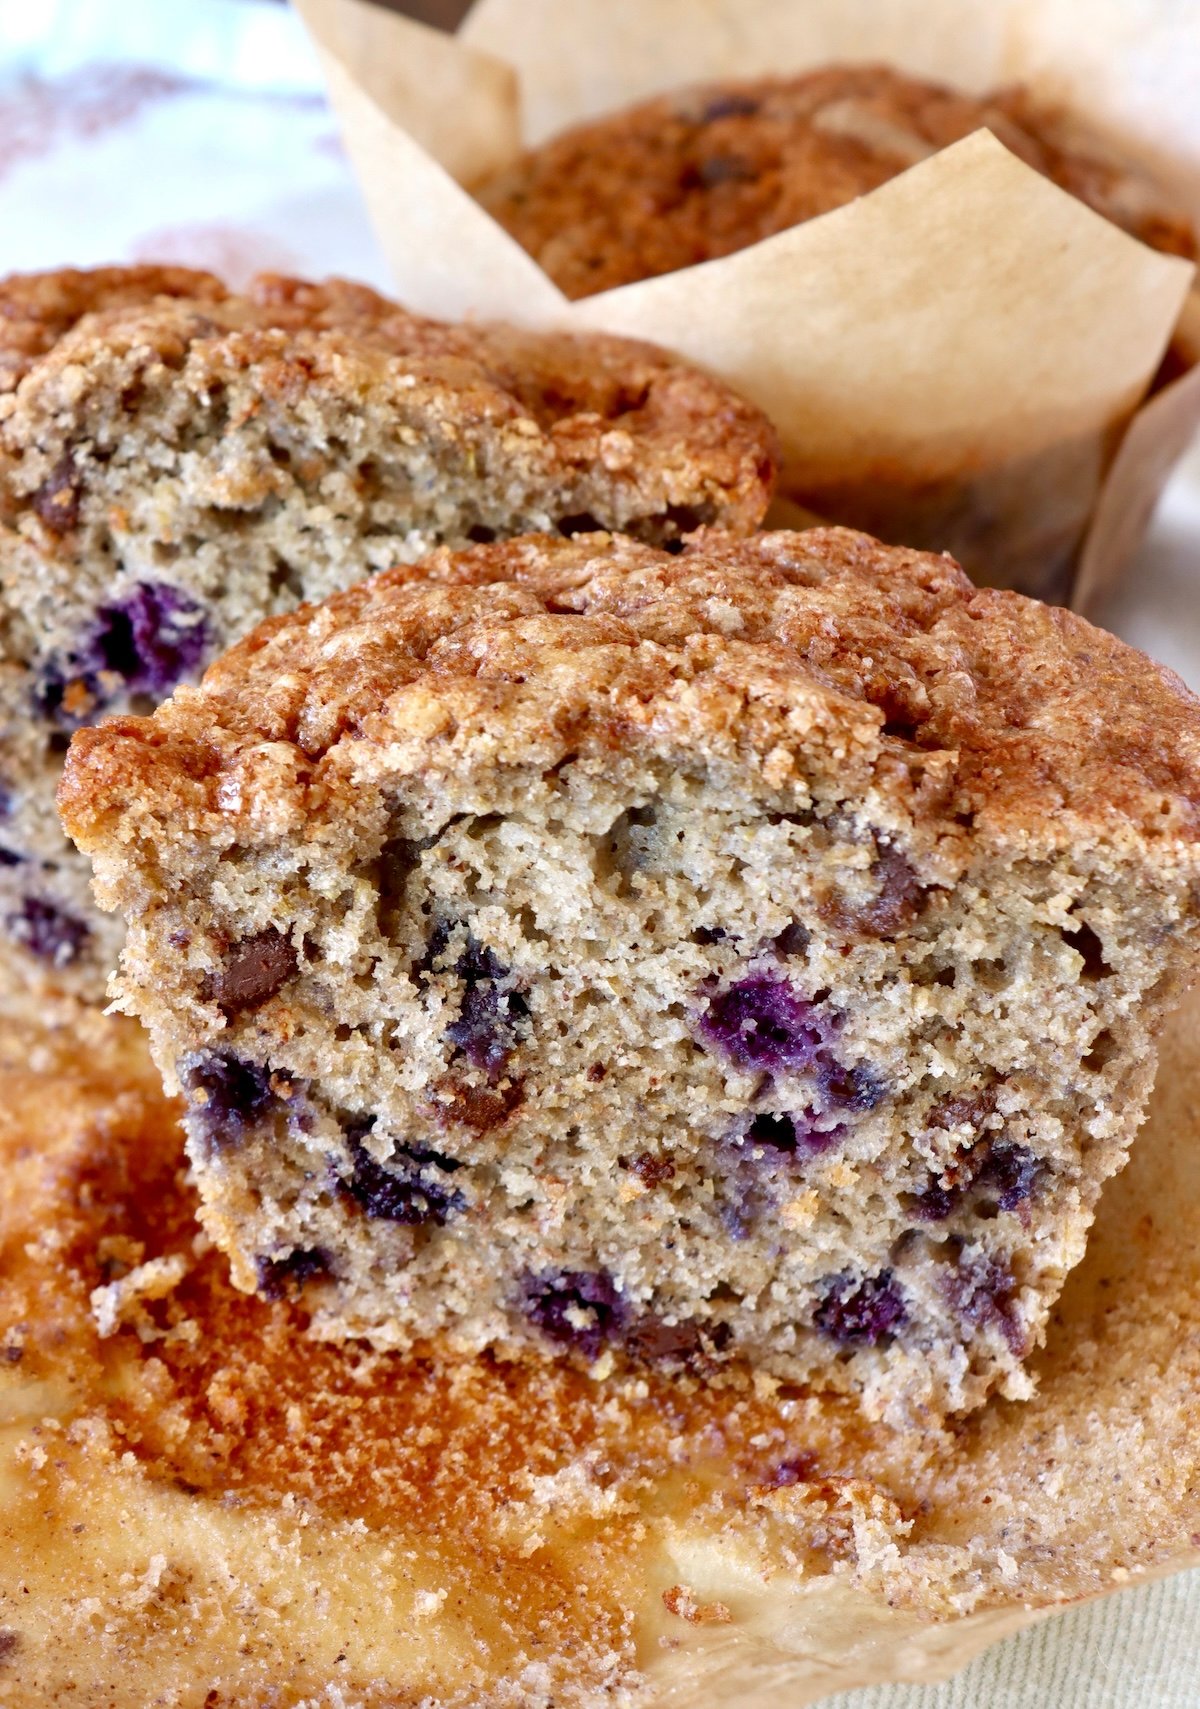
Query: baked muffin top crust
(961, 708)
(709, 170)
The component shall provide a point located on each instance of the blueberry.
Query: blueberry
(763, 1023)
(47, 931)
(860, 1316)
(151, 640)
(796, 1469)
(1012, 1169)
(982, 1290)
(485, 1031)
(286, 1275)
(228, 1096)
(407, 1188)
(578, 1308)
(844, 1088)
(793, 1135)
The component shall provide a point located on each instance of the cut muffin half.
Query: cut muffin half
(746, 956)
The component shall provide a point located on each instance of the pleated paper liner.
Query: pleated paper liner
(199, 1504)
(960, 360)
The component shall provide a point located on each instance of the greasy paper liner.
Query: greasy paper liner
(203, 1502)
(957, 360)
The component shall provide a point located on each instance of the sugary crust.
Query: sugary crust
(968, 712)
(582, 400)
(36, 309)
(705, 171)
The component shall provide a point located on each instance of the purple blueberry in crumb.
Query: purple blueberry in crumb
(860, 1315)
(796, 1469)
(9, 857)
(1014, 1171)
(48, 932)
(729, 107)
(486, 1029)
(580, 1309)
(7, 799)
(843, 1088)
(278, 1277)
(936, 1203)
(151, 640)
(763, 1023)
(228, 1096)
(794, 1136)
(982, 1290)
(410, 1188)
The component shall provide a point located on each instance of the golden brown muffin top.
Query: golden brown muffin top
(785, 661)
(627, 410)
(709, 170)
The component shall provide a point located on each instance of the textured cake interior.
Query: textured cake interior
(691, 1062)
(672, 1074)
(175, 470)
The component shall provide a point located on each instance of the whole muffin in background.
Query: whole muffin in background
(178, 462)
(751, 954)
(709, 170)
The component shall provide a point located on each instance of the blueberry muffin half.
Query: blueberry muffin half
(177, 463)
(749, 955)
(709, 170)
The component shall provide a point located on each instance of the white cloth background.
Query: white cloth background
(195, 131)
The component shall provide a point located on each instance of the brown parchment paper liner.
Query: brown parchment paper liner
(954, 361)
(199, 1506)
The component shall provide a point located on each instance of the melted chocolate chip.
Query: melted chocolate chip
(56, 501)
(254, 970)
(651, 1169)
(687, 1346)
(278, 1277)
(10, 1642)
(862, 1315)
(481, 1109)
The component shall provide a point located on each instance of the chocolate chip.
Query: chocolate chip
(480, 1109)
(56, 501)
(10, 1642)
(254, 970)
(687, 1346)
(652, 1170)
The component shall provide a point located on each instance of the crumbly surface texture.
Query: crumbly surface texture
(709, 170)
(177, 463)
(200, 1506)
(749, 957)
